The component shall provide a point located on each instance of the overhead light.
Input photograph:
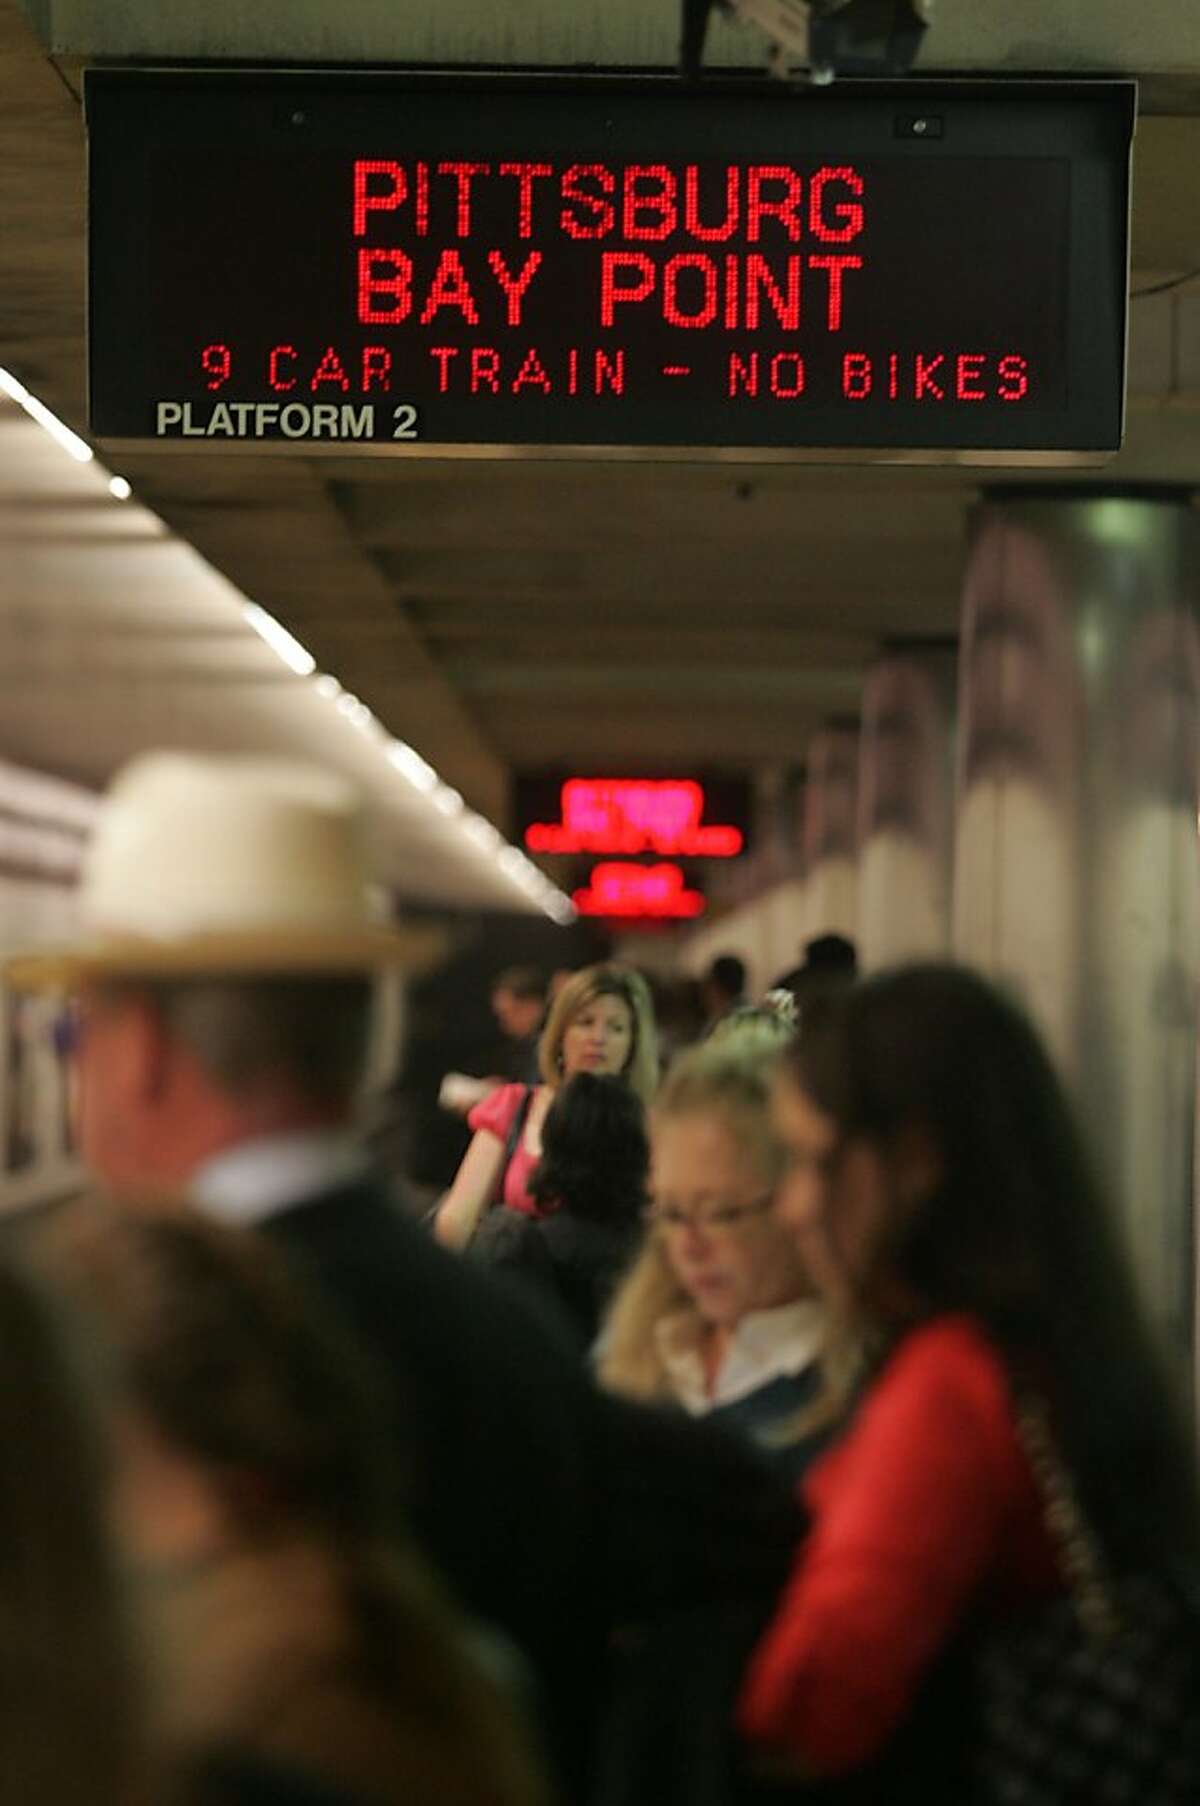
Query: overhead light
(485, 836)
(404, 758)
(297, 657)
(37, 410)
(410, 764)
(357, 713)
(448, 800)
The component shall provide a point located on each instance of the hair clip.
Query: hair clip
(782, 1005)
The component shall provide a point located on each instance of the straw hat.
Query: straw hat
(219, 864)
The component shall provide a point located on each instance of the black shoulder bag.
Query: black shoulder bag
(1093, 1700)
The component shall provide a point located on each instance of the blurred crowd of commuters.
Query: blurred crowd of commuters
(690, 1467)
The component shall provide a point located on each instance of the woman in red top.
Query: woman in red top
(602, 1021)
(945, 1207)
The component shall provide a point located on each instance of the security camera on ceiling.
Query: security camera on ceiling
(823, 38)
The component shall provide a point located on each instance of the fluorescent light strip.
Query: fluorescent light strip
(518, 868)
(410, 764)
(478, 829)
(37, 410)
(118, 487)
(297, 657)
(420, 774)
(448, 800)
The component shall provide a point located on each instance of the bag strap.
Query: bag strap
(516, 1129)
(1074, 1540)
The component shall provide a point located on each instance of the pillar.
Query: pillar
(830, 831)
(906, 807)
(1077, 866)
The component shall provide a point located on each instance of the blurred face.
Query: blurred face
(713, 1211)
(836, 1197)
(103, 1086)
(517, 1016)
(599, 1038)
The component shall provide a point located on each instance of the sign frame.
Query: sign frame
(973, 113)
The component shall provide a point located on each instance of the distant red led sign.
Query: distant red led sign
(638, 892)
(634, 815)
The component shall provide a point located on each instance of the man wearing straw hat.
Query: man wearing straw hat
(223, 981)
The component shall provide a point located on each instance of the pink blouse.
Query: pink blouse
(495, 1114)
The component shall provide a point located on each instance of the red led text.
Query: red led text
(935, 376)
(474, 282)
(720, 282)
(634, 815)
(646, 202)
(639, 893)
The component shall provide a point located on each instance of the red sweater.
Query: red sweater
(925, 1505)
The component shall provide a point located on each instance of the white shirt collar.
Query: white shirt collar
(764, 1346)
(246, 1184)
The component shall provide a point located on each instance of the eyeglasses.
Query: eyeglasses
(714, 1219)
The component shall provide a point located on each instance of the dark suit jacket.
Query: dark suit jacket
(556, 1512)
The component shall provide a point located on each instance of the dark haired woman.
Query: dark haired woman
(590, 1191)
(300, 1652)
(949, 1215)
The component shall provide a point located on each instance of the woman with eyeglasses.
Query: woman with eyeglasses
(718, 1313)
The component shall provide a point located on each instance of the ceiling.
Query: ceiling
(117, 636)
(506, 615)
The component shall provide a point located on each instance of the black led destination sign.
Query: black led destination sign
(613, 267)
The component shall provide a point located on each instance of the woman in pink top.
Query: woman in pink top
(940, 1193)
(602, 1020)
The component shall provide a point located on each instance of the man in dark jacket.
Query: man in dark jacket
(224, 1013)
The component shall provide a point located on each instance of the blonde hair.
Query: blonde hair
(728, 1077)
(640, 1071)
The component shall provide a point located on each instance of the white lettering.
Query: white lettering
(258, 419)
